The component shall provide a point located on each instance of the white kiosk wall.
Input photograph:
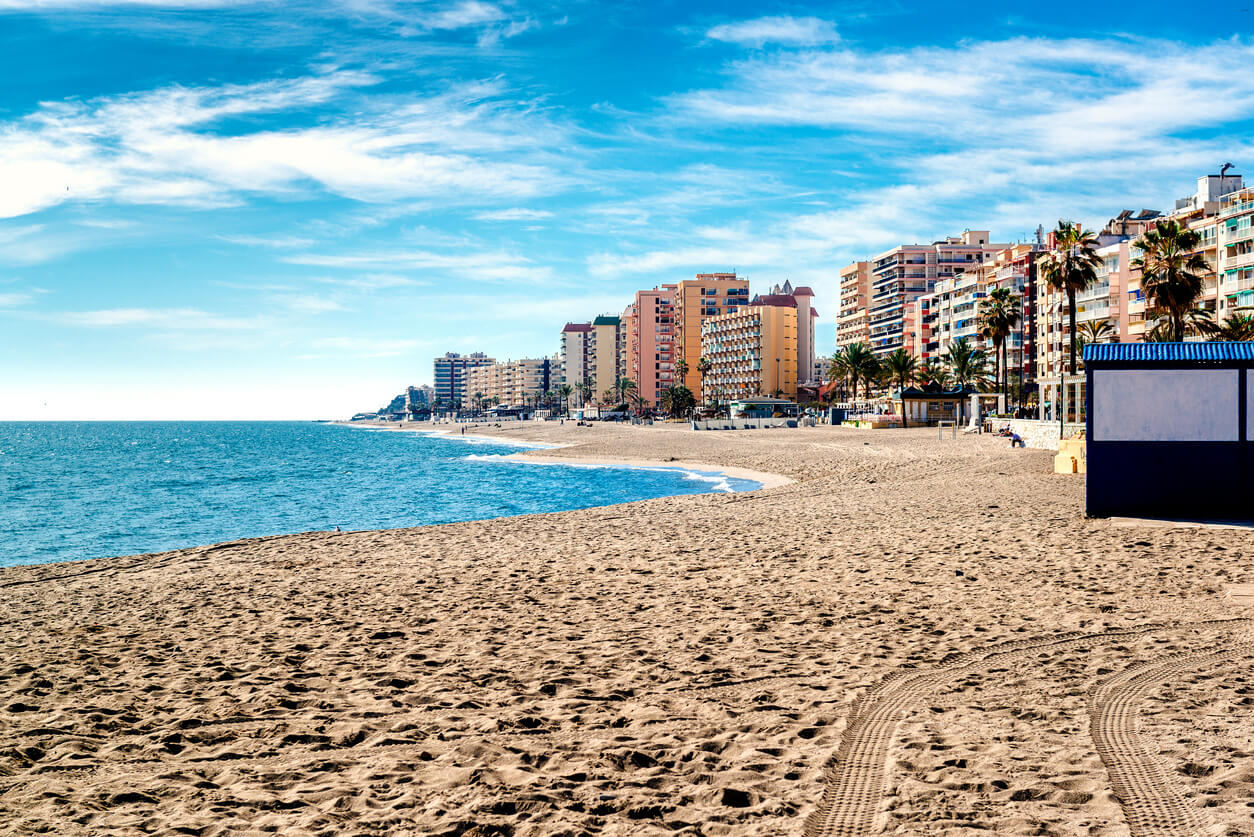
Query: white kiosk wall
(1167, 405)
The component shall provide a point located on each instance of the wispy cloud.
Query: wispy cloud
(276, 242)
(795, 31)
(173, 319)
(515, 214)
(485, 265)
(165, 147)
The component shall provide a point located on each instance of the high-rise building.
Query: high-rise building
(1236, 251)
(576, 354)
(855, 296)
(696, 300)
(806, 317)
(450, 375)
(903, 274)
(753, 350)
(511, 383)
(651, 341)
(606, 354)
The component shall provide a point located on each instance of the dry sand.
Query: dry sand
(914, 637)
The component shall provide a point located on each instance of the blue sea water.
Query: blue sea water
(76, 490)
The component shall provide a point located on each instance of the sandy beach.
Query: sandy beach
(901, 636)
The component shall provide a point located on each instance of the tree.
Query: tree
(681, 370)
(1171, 273)
(902, 365)
(1237, 327)
(625, 387)
(677, 400)
(862, 364)
(1000, 312)
(840, 370)
(933, 371)
(1070, 268)
(967, 364)
(584, 388)
(1096, 331)
(704, 365)
(563, 392)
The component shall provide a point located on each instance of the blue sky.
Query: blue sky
(232, 209)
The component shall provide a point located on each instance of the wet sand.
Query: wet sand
(911, 637)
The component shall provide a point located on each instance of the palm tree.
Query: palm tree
(933, 371)
(999, 314)
(862, 363)
(1238, 327)
(681, 370)
(677, 400)
(840, 370)
(1171, 273)
(1070, 268)
(968, 364)
(704, 365)
(563, 392)
(902, 365)
(1095, 331)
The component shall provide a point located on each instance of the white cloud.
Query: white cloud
(309, 303)
(161, 147)
(16, 298)
(276, 242)
(174, 319)
(515, 214)
(475, 265)
(798, 31)
(40, 5)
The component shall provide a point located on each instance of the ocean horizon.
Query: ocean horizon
(82, 490)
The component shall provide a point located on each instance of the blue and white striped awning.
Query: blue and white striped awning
(1167, 352)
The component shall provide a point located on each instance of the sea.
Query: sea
(76, 490)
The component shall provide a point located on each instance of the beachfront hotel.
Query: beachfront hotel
(696, 300)
(753, 349)
(450, 375)
(512, 382)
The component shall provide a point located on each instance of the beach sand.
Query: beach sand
(912, 637)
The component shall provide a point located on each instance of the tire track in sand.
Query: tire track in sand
(1153, 803)
(855, 780)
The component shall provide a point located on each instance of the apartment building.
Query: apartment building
(695, 301)
(450, 374)
(1235, 245)
(907, 272)
(512, 382)
(606, 353)
(753, 349)
(650, 361)
(576, 354)
(855, 296)
(952, 310)
(1114, 297)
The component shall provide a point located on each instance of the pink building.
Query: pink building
(650, 326)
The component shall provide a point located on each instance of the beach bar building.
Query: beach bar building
(1169, 430)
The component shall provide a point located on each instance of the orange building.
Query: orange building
(696, 300)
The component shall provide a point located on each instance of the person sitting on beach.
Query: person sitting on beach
(1017, 441)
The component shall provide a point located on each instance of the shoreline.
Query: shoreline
(765, 479)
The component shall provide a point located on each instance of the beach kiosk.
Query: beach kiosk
(1169, 430)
